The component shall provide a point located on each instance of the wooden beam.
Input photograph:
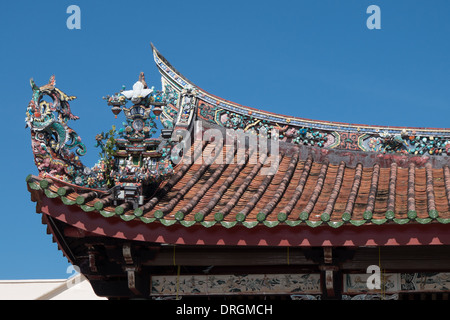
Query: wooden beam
(425, 258)
(92, 262)
(329, 283)
(328, 255)
(228, 256)
(138, 284)
(235, 284)
(328, 279)
(126, 252)
(117, 288)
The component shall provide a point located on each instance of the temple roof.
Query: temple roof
(330, 174)
(303, 192)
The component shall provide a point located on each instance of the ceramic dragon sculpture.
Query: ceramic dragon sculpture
(52, 139)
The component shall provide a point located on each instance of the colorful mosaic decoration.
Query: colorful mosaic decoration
(169, 110)
(131, 158)
(382, 142)
(410, 143)
(248, 123)
(52, 139)
(320, 134)
(139, 159)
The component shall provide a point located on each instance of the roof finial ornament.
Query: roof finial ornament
(50, 85)
(142, 79)
(140, 90)
(139, 159)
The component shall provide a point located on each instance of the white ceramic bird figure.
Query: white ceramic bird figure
(139, 91)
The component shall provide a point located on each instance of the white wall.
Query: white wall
(74, 288)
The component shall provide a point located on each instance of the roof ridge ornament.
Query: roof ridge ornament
(130, 156)
(52, 139)
(321, 134)
(140, 90)
(139, 159)
(187, 107)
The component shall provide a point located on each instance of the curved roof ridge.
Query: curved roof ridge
(181, 81)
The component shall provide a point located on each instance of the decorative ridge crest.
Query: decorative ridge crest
(322, 134)
(132, 161)
(52, 139)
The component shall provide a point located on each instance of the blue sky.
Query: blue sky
(314, 59)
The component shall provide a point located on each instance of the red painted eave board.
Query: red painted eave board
(281, 235)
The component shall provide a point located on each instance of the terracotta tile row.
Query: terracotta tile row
(302, 190)
(306, 190)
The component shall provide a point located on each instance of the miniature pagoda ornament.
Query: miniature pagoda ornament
(140, 161)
